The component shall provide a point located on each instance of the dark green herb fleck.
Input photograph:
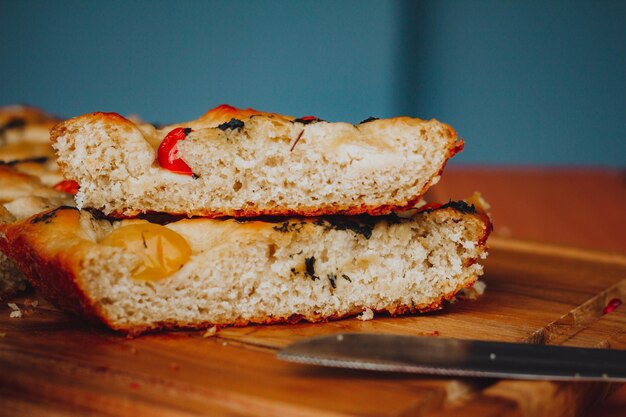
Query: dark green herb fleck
(332, 278)
(309, 264)
(347, 278)
(38, 160)
(283, 227)
(289, 227)
(362, 227)
(461, 206)
(45, 217)
(231, 124)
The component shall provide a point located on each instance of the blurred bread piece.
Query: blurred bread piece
(21, 196)
(248, 163)
(236, 272)
(15, 184)
(25, 134)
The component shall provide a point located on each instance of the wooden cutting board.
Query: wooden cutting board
(54, 364)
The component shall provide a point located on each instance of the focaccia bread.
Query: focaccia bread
(245, 163)
(25, 134)
(46, 171)
(15, 184)
(21, 196)
(134, 275)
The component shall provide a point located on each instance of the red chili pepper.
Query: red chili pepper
(168, 152)
(67, 186)
(612, 305)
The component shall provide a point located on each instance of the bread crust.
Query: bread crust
(48, 252)
(22, 195)
(122, 132)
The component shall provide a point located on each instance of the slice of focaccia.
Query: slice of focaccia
(25, 134)
(21, 196)
(135, 275)
(245, 163)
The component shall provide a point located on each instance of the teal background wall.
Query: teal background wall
(530, 82)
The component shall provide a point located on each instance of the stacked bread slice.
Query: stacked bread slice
(245, 217)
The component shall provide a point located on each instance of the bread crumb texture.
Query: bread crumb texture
(266, 165)
(253, 271)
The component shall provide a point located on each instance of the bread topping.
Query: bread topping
(67, 186)
(161, 250)
(168, 152)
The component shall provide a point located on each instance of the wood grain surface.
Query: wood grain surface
(53, 364)
(573, 206)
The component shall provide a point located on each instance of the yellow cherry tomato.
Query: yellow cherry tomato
(161, 250)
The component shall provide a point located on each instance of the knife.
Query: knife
(456, 357)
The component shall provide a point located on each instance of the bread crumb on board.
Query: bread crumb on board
(16, 313)
(211, 331)
(474, 292)
(367, 314)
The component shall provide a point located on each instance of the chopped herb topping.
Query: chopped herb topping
(393, 218)
(332, 278)
(309, 264)
(39, 160)
(347, 278)
(362, 227)
(369, 119)
(289, 227)
(195, 176)
(283, 227)
(231, 124)
(187, 131)
(47, 217)
(461, 206)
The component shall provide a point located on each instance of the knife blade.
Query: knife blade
(457, 357)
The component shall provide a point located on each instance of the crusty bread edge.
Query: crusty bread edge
(57, 280)
(455, 145)
(60, 284)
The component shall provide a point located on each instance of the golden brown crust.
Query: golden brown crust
(47, 251)
(51, 270)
